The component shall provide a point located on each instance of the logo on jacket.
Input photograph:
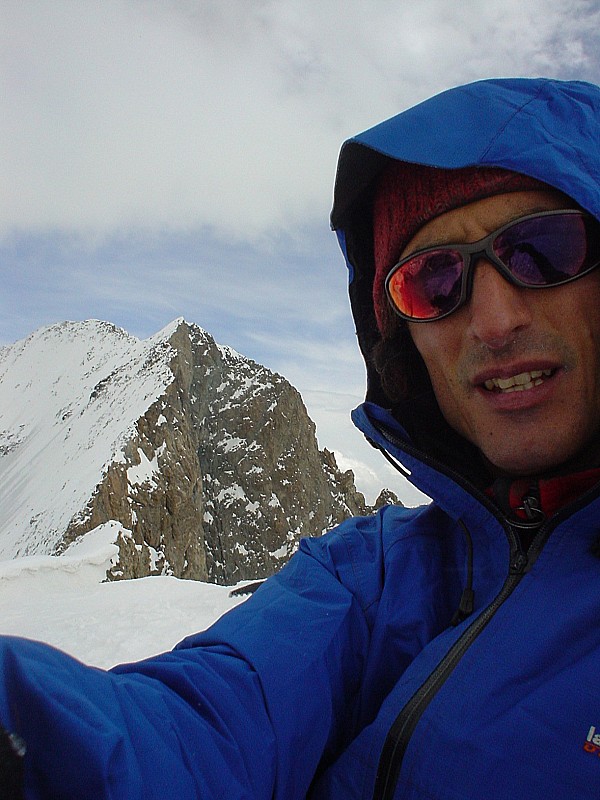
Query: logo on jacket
(592, 743)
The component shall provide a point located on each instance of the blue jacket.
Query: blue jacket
(418, 653)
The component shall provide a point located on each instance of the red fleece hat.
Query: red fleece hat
(409, 195)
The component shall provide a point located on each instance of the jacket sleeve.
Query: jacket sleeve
(247, 709)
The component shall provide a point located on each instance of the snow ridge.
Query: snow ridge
(69, 397)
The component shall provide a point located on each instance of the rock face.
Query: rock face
(215, 475)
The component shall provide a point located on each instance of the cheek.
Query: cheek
(449, 395)
(578, 322)
(440, 350)
(441, 360)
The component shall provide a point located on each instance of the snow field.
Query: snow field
(62, 600)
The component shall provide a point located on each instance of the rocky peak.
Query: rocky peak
(210, 461)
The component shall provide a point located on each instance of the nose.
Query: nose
(498, 309)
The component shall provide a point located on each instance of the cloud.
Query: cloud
(166, 158)
(146, 114)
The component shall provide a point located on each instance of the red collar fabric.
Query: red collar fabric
(552, 493)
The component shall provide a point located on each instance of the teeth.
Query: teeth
(520, 382)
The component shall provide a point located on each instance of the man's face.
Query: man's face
(545, 339)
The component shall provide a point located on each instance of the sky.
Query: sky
(177, 158)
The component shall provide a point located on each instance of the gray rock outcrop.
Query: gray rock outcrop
(222, 474)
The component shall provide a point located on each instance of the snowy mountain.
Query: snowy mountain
(208, 461)
(60, 427)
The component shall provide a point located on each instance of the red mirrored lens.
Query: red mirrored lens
(428, 285)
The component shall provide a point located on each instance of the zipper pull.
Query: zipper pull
(532, 507)
(518, 563)
(465, 608)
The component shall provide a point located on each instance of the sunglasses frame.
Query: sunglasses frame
(472, 252)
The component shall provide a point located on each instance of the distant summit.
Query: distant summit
(208, 460)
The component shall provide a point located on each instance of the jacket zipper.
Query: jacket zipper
(399, 735)
(396, 743)
(401, 731)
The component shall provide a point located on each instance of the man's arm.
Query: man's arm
(245, 710)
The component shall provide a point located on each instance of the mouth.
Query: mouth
(522, 382)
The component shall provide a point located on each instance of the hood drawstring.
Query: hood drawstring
(467, 599)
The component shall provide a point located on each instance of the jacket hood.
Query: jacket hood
(546, 129)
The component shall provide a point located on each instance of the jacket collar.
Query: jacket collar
(451, 490)
(458, 494)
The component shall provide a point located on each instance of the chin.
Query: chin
(515, 464)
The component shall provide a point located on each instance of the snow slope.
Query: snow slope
(69, 395)
(62, 601)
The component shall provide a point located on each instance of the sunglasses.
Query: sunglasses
(536, 251)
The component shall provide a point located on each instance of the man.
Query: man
(447, 651)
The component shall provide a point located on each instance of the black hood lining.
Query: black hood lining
(419, 414)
